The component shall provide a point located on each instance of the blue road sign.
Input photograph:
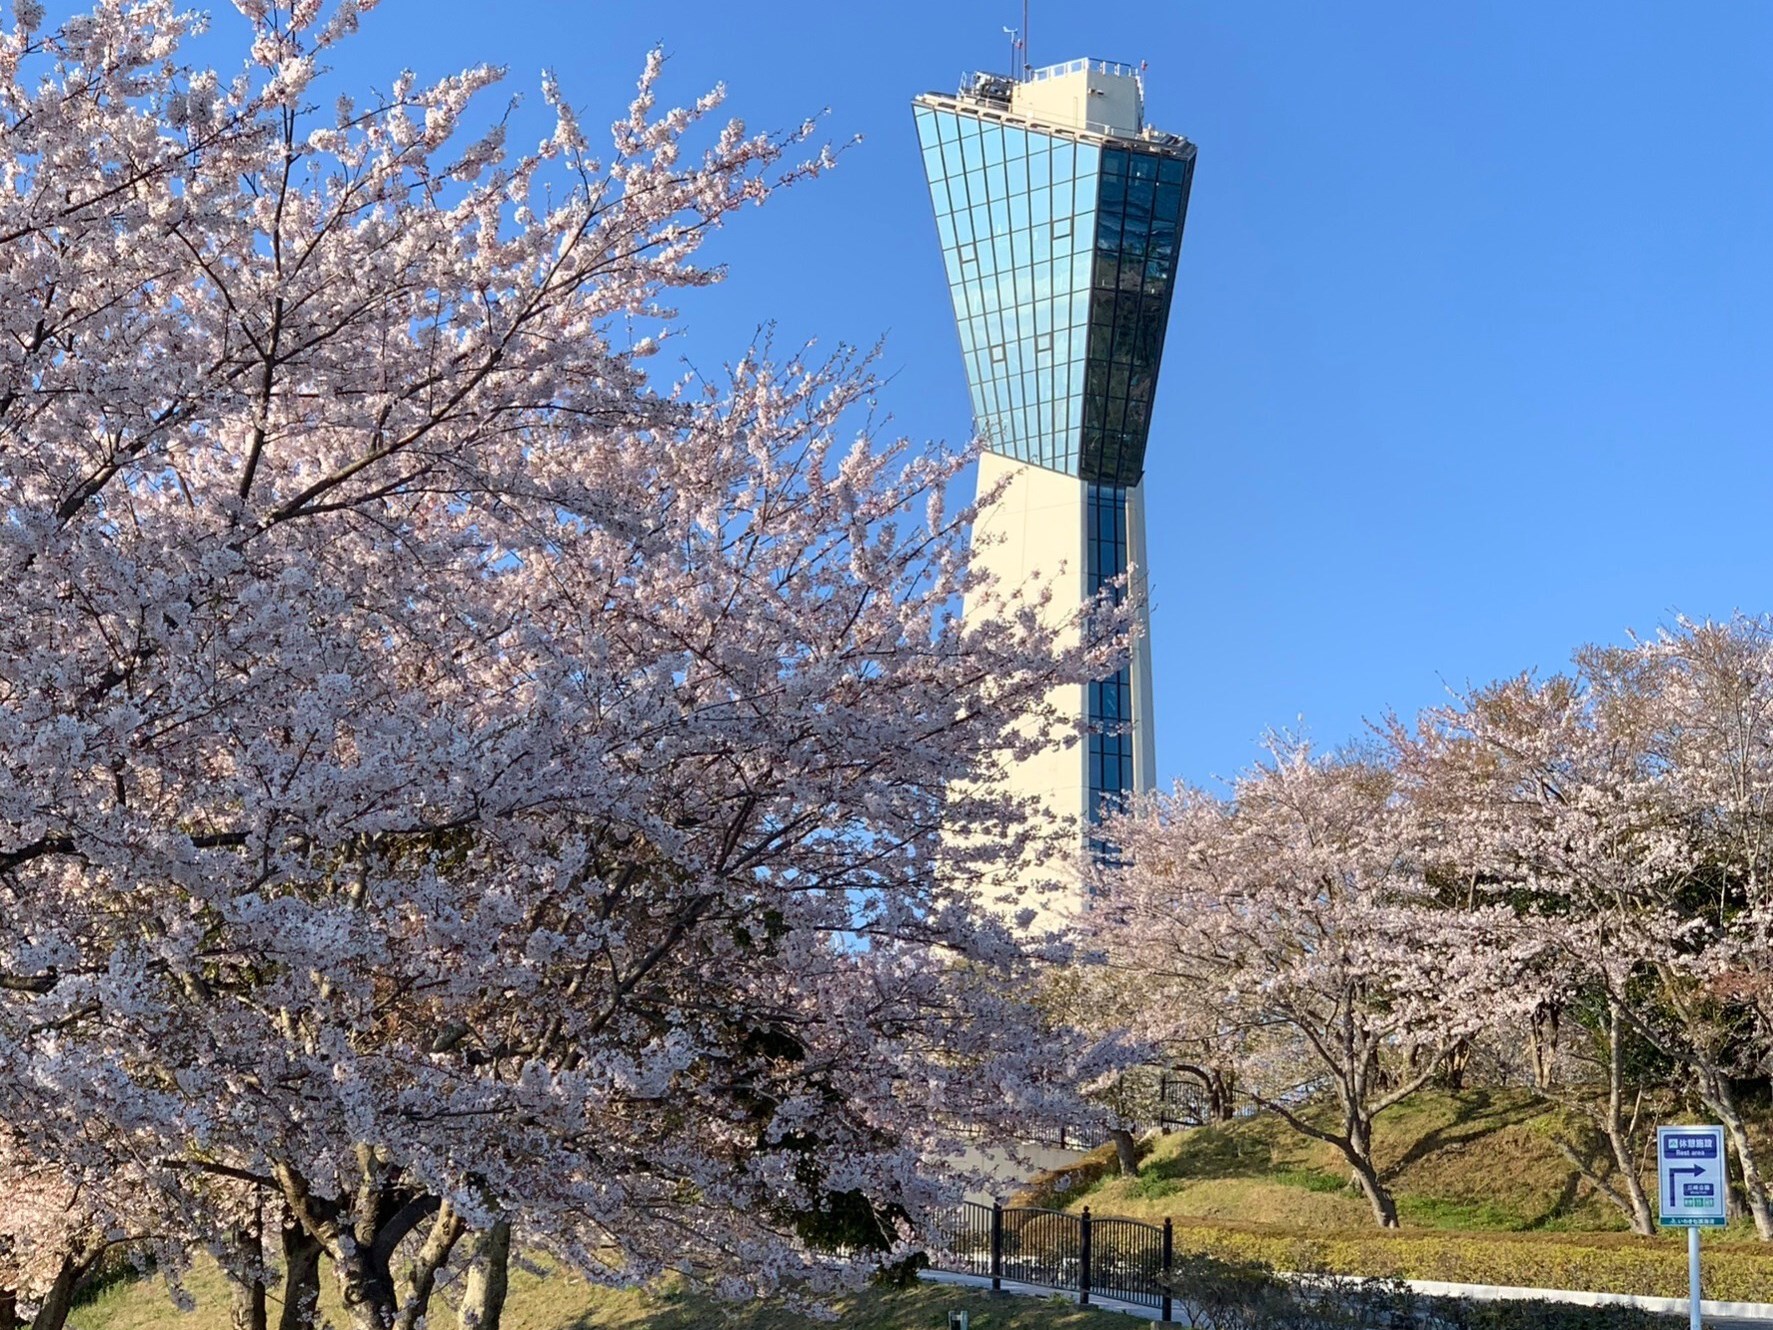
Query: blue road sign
(1690, 1176)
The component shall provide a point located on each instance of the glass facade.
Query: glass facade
(1061, 260)
(1060, 218)
(1110, 701)
(1140, 210)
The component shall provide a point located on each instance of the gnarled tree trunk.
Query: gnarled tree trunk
(420, 1277)
(52, 1314)
(246, 1279)
(301, 1278)
(483, 1301)
(1126, 1151)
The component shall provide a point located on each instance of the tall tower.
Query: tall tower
(1060, 215)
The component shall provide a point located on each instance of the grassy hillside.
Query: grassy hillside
(1483, 1159)
(560, 1303)
(1482, 1190)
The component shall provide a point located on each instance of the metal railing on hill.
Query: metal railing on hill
(1123, 1259)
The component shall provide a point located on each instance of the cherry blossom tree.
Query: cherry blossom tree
(450, 783)
(1295, 922)
(1534, 799)
(1621, 810)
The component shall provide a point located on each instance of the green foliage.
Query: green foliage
(1247, 1294)
(1600, 1262)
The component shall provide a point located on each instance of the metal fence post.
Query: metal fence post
(1169, 1260)
(1083, 1259)
(996, 1246)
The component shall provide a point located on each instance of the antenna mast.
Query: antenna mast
(1027, 64)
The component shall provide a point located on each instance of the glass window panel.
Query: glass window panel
(1168, 203)
(1142, 165)
(981, 217)
(1040, 166)
(1064, 161)
(1108, 238)
(1015, 142)
(951, 160)
(1113, 195)
(1016, 175)
(992, 142)
(1018, 212)
(970, 156)
(1170, 172)
(945, 230)
(1089, 160)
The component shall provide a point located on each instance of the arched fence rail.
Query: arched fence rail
(1122, 1259)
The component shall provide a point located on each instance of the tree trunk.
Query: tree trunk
(59, 1301)
(1357, 1148)
(9, 1309)
(1221, 1101)
(1615, 1128)
(483, 1301)
(421, 1276)
(1543, 1033)
(1715, 1093)
(1643, 1222)
(246, 1283)
(301, 1278)
(366, 1289)
(1126, 1153)
(1453, 1067)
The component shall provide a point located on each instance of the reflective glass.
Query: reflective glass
(1060, 257)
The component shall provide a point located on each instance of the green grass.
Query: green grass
(1482, 1191)
(559, 1302)
(1482, 1160)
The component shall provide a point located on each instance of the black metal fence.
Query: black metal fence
(1112, 1258)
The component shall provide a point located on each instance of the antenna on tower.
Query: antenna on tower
(1027, 64)
(1015, 37)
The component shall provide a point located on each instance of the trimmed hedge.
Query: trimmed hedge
(1734, 1271)
(1231, 1295)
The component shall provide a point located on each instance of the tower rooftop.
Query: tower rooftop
(1089, 99)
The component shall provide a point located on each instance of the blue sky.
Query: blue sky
(1470, 356)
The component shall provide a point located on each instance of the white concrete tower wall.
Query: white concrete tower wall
(1036, 532)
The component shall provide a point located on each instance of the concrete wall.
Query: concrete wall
(1036, 532)
(1090, 98)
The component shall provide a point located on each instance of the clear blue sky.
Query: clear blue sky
(1472, 353)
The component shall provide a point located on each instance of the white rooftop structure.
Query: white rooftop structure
(1096, 96)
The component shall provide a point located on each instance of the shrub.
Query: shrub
(1600, 1262)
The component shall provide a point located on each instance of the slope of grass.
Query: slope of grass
(1483, 1159)
(558, 1302)
(1482, 1190)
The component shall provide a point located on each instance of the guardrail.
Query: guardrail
(1124, 1259)
(1119, 68)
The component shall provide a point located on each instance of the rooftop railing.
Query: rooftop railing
(1114, 67)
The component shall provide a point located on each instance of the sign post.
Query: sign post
(1690, 1179)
